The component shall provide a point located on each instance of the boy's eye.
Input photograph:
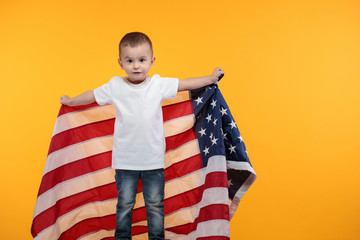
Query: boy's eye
(129, 61)
(142, 60)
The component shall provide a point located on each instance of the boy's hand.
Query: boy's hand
(82, 99)
(194, 83)
(64, 99)
(217, 73)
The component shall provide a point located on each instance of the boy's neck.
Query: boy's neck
(135, 82)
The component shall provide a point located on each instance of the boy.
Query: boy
(139, 142)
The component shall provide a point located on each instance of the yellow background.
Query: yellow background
(292, 83)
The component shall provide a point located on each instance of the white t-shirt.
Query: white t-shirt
(139, 142)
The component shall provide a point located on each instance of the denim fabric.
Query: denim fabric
(153, 182)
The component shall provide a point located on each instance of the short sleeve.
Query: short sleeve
(168, 87)
(103, 94)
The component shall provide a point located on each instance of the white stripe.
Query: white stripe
(216, 163)
(178, 125)
(73, 186)
(185, 151)
(180, 97)
(210, 228)
(218, 227)
(83, 117)
(239, 166)
(78, 151)
(143, 236)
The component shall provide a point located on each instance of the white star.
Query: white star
(232, 149)
(223, 111)
(198, 100)
(241, 139)
(211, 135)
(213, 103)
(230, 183)
(206, 150)
(208, 118)
(214, 141)
(232, 124)
(202, 132)
(214, 122)
(224, 136)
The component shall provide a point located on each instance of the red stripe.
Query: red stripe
(66, 109)
(211, 212)
(177, 110)
(216, 179)
(181, 229)
(75, 169)
(184, 167)
(138, 230)
(88, 226)
(82, 133)
(176, 141)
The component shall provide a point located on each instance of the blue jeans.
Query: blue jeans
(153, 182)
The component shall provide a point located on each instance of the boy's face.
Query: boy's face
(136, 61)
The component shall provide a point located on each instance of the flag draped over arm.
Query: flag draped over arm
(207, 172)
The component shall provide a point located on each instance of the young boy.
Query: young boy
(139, 142)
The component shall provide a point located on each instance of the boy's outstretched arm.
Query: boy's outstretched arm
(82, 99)
(198, 82)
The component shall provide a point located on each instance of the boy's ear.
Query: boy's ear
(152, 61)
(120, 63)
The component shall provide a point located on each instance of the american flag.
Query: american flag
(207, 172)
